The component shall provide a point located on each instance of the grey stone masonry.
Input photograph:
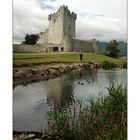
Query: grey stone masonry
(60, 35)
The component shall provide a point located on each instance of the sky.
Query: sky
(103, 20)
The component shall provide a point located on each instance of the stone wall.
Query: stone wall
(29, 48)
(69, 23)
(25, 75)
(54, 47)
(43, 38)
(17, 48)
(61, 29)
(82, 46)
(68, 45)
(61, 24)
(55, 31)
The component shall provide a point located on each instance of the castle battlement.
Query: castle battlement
(61, 11)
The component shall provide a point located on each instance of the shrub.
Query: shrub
(103, 119)
(90, 62)
(125, 65)
(108, 65)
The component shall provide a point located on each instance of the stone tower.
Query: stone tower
(60, 35)
(62, 27)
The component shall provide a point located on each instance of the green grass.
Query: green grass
(21, 59)
(104, 119)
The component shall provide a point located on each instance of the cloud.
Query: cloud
(28, 18)
(103, 20)
(100, 27)
(46, 4)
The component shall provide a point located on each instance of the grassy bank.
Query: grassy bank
(22, 59)
(105, 119)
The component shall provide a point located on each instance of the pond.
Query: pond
(32, 102)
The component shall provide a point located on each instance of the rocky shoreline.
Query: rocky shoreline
(34, 136)
(25, 75)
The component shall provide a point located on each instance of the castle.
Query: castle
(60, 36)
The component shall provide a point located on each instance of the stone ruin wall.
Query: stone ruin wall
(69, 19)
(68, 29)
(55, 30)
(19, 48)
(84, 46)
(43, 38)
(62, 28)
(41, 48)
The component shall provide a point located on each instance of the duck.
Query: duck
(78, 82)
(88, 82)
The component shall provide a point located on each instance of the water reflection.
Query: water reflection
(31, 102)
(67, 94)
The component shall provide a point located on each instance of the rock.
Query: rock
(68, 68)
(52, 71)
(91, 67)
(25, 73)
(27, 136)
(34, 71)
(62, 70)
(31, 135)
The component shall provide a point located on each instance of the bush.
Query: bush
(112, 49)
(101, 120)
(125, 65)
(108, 65)
(90, 62)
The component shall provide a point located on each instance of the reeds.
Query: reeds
(104, 119)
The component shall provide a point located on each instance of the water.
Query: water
(32, 102)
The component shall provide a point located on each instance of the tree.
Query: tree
(31, 39)
(112, 50)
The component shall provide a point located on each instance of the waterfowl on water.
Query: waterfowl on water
(78, 82)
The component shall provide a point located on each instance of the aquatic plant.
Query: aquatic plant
(103, 119)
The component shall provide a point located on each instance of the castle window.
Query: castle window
(54, 20)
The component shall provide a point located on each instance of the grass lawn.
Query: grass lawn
(21, 59)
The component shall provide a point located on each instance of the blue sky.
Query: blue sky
(101, 19)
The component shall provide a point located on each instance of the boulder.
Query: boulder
(22, 74)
